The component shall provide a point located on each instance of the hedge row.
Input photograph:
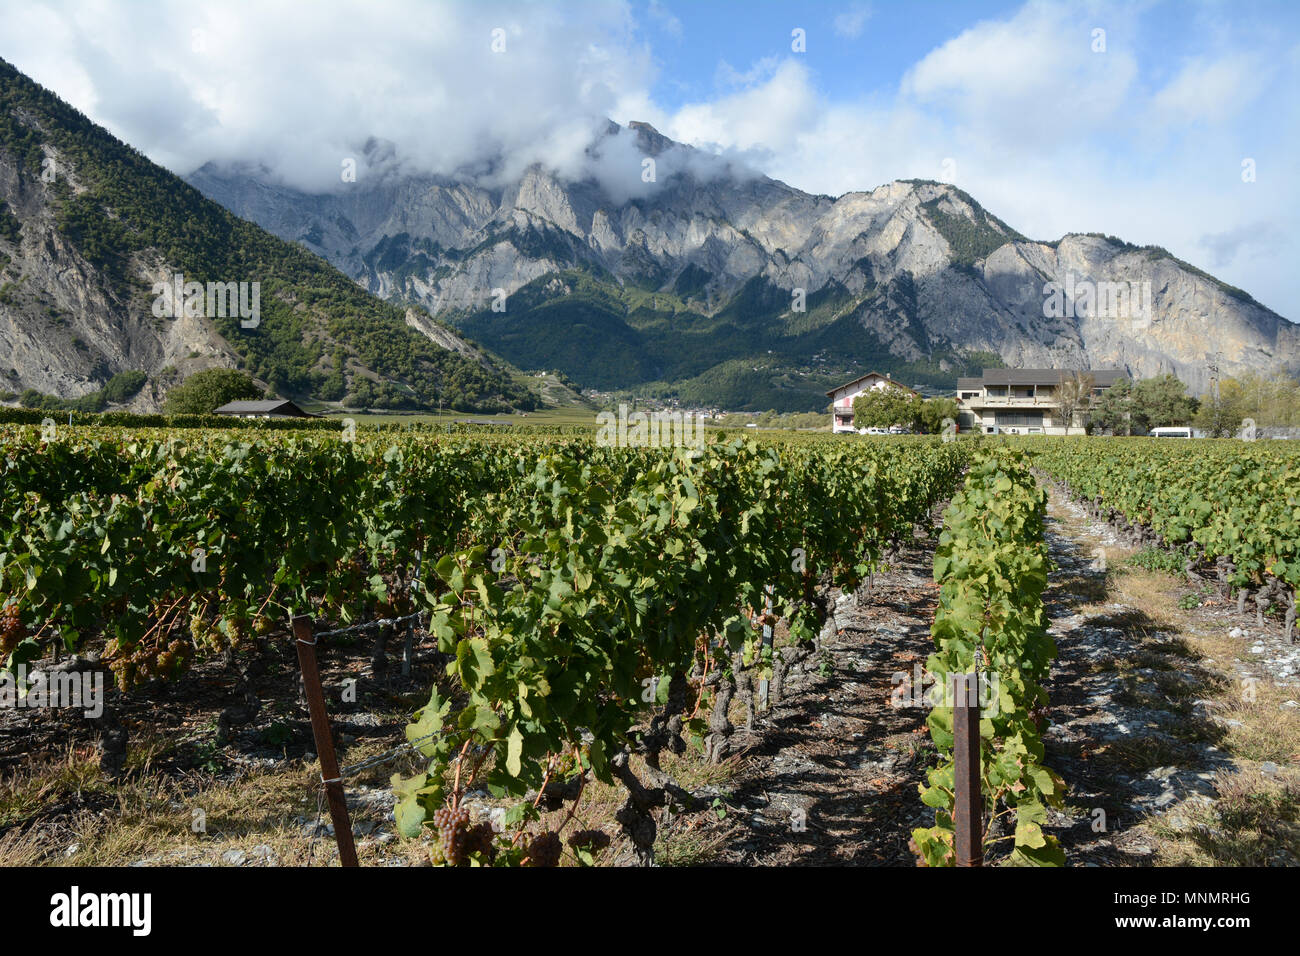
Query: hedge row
(34, 416)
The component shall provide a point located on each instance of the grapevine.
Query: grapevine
(991, 565)
(576, 590)
(12, 631)
(1235, 505)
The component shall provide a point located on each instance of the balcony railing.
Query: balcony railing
(1005, 401)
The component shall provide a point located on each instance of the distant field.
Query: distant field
(546, 416)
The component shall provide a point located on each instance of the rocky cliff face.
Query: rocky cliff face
(912, 275)
(64, 329)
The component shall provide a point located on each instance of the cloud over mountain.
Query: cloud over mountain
(1139, 130)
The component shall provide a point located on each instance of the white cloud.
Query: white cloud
(849, 23)
(760, 70)
(1032, 80)
(769, 116)
(302, 92)
(1212, 91)
(666, 19)
(1264, 238)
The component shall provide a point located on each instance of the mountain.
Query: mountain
(686, 286)
(92, 232)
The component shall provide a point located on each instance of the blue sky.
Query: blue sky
(857, 49)
(864, 48)
(1144, 139)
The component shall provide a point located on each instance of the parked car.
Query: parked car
(873, 430)
(899, 430)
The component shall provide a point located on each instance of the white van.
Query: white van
(1171, 431)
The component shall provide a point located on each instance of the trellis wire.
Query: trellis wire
(369, 625)
(387, 755)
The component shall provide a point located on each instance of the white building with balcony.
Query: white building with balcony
(842, 398)
(1026, 401)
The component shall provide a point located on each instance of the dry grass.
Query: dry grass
(1139, 754)
(1254, 822)
(690, 845)
(1255, 818)
(680, 841)
(34, 788)
(1182, 659)
(187, 820)
(64, 812)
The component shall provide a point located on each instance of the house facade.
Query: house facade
(842, 398)
(1025, 401)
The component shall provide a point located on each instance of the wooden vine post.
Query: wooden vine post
(320, 728)
(968, 815)
(408, 650)
(765, 684)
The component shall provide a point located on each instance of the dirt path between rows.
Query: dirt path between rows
(830, 777)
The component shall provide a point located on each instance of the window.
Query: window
(1020, 419)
